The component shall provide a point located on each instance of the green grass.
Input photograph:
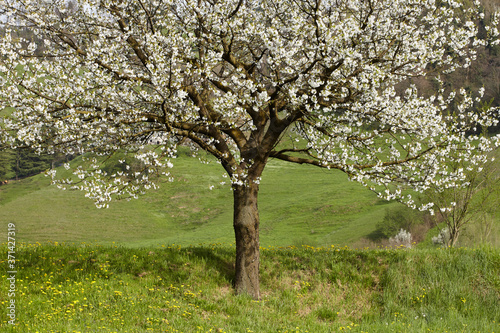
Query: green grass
(298, 205)
(117, 270)
(85, 287)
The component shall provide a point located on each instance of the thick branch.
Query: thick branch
(343, 167)
(131, 40)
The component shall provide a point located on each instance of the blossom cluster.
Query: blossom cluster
(232, 77)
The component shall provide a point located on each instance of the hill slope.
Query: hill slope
(298, 205)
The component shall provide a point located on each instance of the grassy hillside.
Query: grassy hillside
(298, 205)
(94, 288)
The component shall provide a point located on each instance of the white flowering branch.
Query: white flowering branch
(233, 78)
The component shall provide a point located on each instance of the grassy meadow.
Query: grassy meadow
(298, 205)
(85, 287)
(164, 263)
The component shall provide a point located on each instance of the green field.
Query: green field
(85, 287)
(298, 205)
(164, 263)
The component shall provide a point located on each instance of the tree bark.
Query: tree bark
(246, 229)
(454, 233)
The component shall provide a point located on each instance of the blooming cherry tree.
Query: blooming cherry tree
(233, 78)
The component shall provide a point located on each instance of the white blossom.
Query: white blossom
(128, 76)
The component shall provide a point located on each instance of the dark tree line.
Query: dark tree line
(24, 162)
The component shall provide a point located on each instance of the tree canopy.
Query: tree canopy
(233, 78)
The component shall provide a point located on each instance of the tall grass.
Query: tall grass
(94, 288)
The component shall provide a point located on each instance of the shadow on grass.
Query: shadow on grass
(190, 265)
(179, 264)
(172, 265)
(376, 236)
(221, 260)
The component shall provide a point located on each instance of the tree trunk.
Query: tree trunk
(246, 229)
(454, 233)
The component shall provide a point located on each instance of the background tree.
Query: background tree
(24, 162)
(397, 218)
(7, 157)
(467, 203)
(233, 78)
(29, 163)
